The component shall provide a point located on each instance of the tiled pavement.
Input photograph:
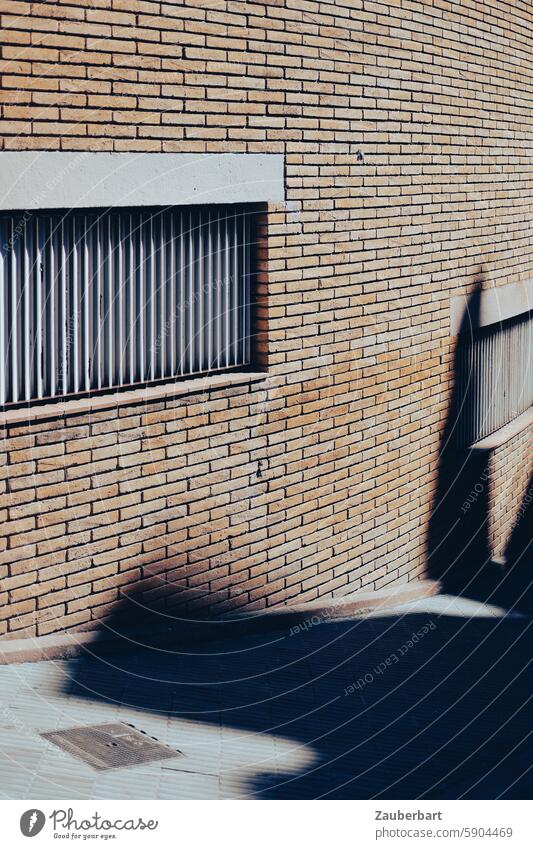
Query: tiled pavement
(278, 715)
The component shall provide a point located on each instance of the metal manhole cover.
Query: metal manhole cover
(113, 745)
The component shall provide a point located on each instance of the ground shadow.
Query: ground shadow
(422, 705)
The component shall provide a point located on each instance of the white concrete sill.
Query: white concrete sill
(110, 400)
(504, 434)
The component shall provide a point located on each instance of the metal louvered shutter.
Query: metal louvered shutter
(494, 377)
(101, 299)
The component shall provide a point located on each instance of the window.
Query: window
(494, 376)
(91, 300)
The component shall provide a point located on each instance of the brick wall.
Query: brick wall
(406, 128)
(510, 489)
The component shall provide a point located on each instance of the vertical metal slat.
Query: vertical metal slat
(40, 306)
(3, 310)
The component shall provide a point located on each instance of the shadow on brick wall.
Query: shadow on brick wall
(518, 583)
(458, 546)
(419, 705)
(458, 543)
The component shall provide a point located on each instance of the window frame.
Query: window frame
(253, 210)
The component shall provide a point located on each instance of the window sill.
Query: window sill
(504, 434)
(142, 395)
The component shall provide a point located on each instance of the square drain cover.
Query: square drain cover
(113, 745)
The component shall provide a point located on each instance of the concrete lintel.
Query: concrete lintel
(496, 304)
(69, 180)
